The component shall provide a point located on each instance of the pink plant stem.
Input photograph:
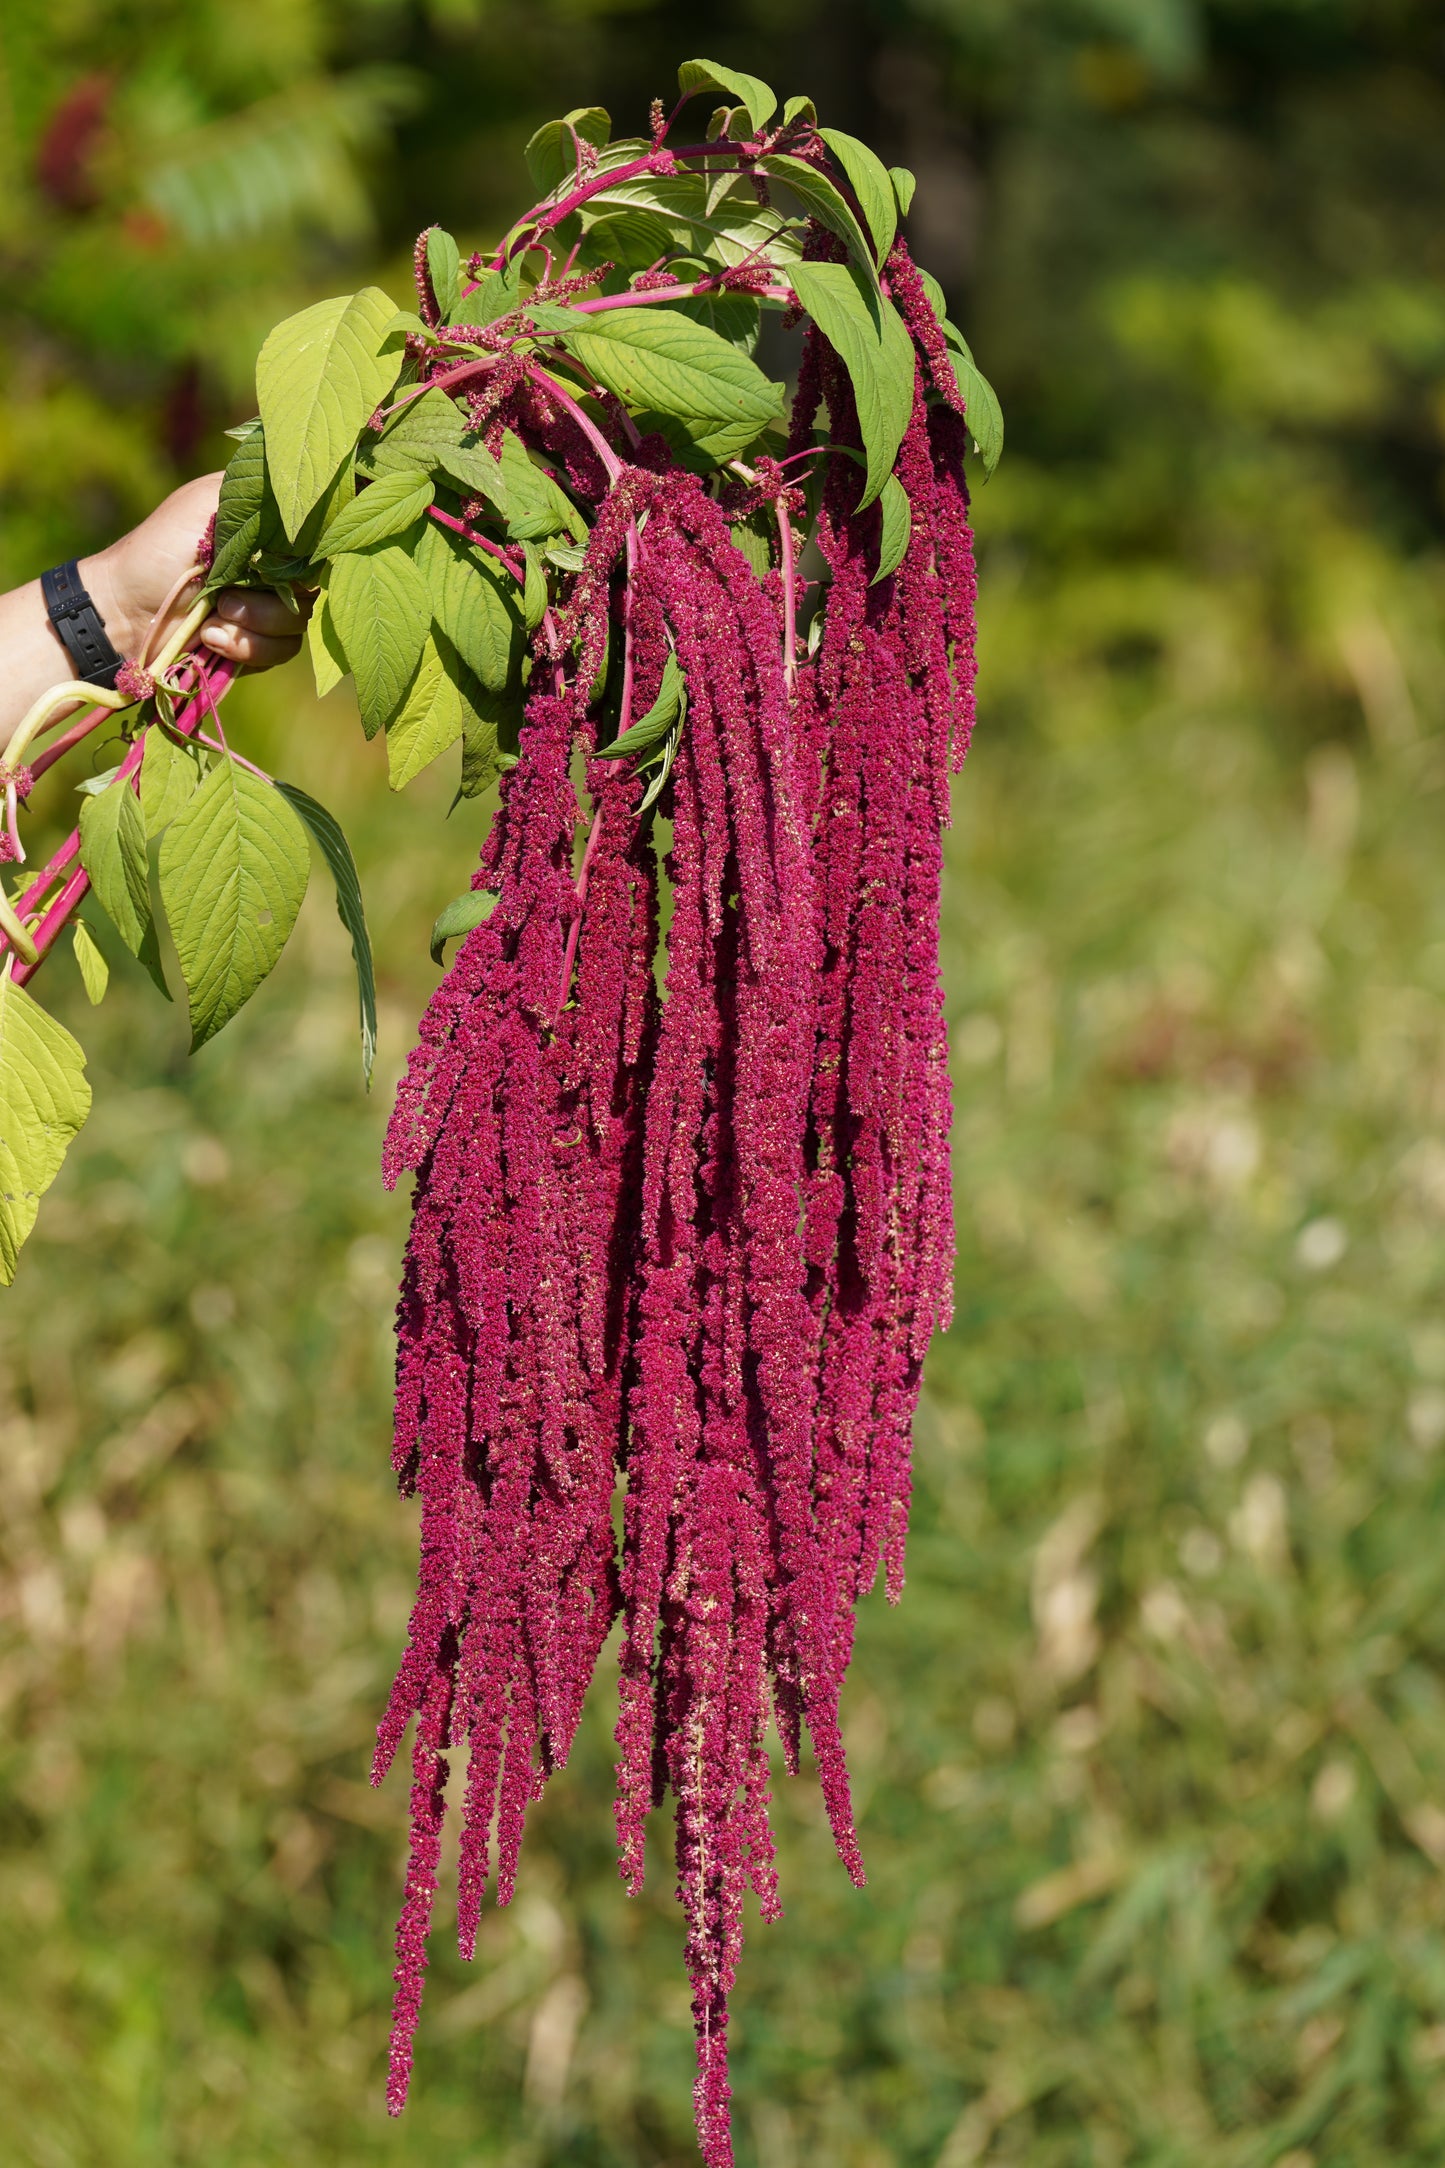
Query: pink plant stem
(543, 217)
(665, 294)
(624, 724)
(48, 931)
(209, 683)
(479, 541)
(612, 465)
(788, 555)
(71, 737)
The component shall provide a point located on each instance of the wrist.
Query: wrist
(105, 585)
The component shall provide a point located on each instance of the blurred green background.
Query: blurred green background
(1151, 1760)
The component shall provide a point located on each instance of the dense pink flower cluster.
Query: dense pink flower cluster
(700, 1238)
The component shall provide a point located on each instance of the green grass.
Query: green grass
(1151, 1759)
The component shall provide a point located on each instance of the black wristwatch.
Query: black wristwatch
(79, 625)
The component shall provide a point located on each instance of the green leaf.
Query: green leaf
(904, 184)
(233, 558)
(552, 153)
(664, 770)
(491, 724)
(496, 295)
(535, 505)
(319, 376)
(387, 506)
(726, 229)
(473, 600)
(444, 268)
(328, 656)
(380, 606)
(93, 785)
(659, 362)
(650, 729)
(427, 722)
(897, 526)
(749, 90)
(44, 1099)
(328, 834)
(94, 970)
(534, 594)
(113, 853)
(427, 435)
(873, 345)
(170, 775)
(243, 430)
(754, 537)
(238, 513)
(869, 180)
(817, 194)
(736, 318)
(234, 866)
(985, 415)
(799, 109)
(461, 915)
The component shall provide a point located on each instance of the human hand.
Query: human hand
(131, 579)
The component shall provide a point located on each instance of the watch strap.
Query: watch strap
(79, 625)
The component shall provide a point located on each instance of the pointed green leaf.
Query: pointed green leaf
(380, 607)
(234, 866)
(551, 155)
(496, 295)
(387, 506)
(869, 180)
(980, 400)
(444, 269)
(491, 724)
(237, 531)
(534, 594)
(873, 344)
(650, 729)
(664, 769)
(113, 853)
(44, 1098)
(327, 832)
(328, 656)
(94, 970)
(429, 435)
(169, 776)
(233, 558)
(817, 194)
(535, 505)
(897, 526)
(461, 915)
(749, 90)
(904, 184)
(474, 601)
(427, 722)
(799, 109)
(661, 363)
(319, 376)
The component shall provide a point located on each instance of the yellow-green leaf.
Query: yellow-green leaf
(94, 970)
(380, 607)
(871, 341)
(169, 775)
(113, 853)
(320, 375)
(750, 90)
(387, 506)
(234, 866)
(870, 182)
(44, 1099)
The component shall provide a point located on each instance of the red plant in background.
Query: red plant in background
(66, 151)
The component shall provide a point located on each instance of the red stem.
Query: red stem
(469, 534)
(211, 680)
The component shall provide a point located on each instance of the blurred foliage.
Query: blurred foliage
(1152, 1758)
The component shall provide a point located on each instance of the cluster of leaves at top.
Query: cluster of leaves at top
(699, 1233)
